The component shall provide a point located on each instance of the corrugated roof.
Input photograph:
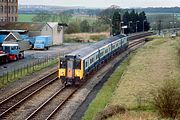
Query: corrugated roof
(14, 34)
(52, 24)
(23, 26)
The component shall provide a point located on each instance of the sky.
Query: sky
(105, 3)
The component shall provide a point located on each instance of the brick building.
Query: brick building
(8, 10)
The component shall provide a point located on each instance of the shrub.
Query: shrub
(166, 100)
(97, 37)
(84, 26)
(73, 28)
(110, 111)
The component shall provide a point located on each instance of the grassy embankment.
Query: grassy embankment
(105, 94)
(158, 61)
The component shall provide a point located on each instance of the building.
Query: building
(53, 29)
(8, 10)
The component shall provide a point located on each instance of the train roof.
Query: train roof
(81, 53)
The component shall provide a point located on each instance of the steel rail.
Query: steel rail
(20, 96)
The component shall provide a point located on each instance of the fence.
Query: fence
(17, 73)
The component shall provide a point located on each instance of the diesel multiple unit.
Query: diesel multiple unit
(74, 67)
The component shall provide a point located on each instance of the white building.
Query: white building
(53, 29)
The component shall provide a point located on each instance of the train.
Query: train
(74, 67)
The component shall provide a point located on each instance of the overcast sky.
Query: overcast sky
(105, 3)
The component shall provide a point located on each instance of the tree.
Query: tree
(135, 21)
(126, 21)
(106, 15)
(143, 22)
(64, 18)
(116, 23)
(102, 27)
(84, 26)
(41, 17)
(73, 28)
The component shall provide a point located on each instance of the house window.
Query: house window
(15, 18)
(1, 9)
(12, 19)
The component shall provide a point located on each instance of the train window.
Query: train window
(63, 63)
(96, 57)
(77, 64)
(113, 46)
(86, 63)
(106, 51)
(101, 54)
(91, 60)
(116, 44)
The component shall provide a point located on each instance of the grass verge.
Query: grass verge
(20, 73)
(105, 94)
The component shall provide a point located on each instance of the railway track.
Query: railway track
(53, 104)
(12, 102)
(47, 109)
(136, 42)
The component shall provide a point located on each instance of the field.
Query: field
(28, 18)
(177, 15)
(81, 18)
(85, 37)
(25, 17)
(152, 65)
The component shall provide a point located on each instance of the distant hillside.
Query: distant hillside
(159, 10)
(85, 11)
(44, 8)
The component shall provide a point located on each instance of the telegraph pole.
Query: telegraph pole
(159, 27)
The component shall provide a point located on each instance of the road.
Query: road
(35, 55)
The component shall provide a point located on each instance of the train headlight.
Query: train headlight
(77, 74)
(62, 73)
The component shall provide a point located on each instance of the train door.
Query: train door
(70, 70)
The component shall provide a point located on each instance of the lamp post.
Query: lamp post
(110, 21)
(121, 27)
(130, 26)
(136, 25)
(143, 24)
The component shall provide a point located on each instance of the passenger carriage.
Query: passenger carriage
(75, 66)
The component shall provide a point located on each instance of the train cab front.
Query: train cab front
(70, 69)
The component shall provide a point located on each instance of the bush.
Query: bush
(166, 100)
(84, 26)
(97, 37)
(110, 111)
(73, 28)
